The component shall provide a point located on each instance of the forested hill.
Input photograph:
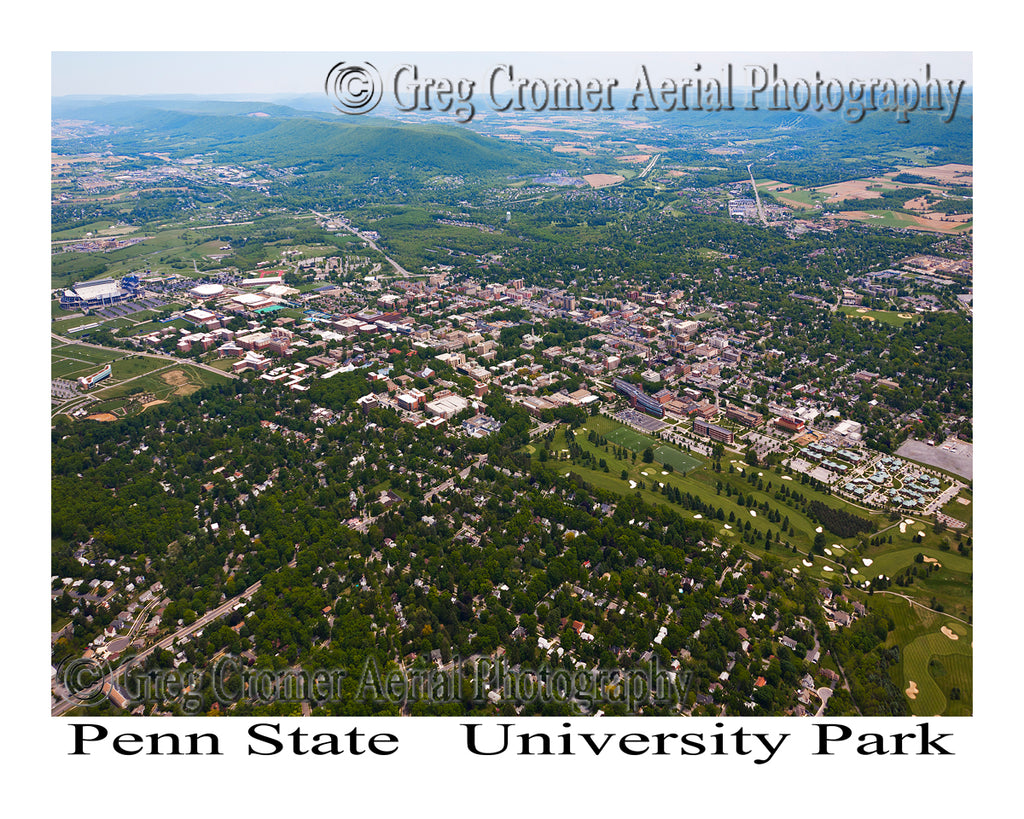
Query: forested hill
(284, 136)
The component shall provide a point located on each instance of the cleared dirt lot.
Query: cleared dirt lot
(602, 180)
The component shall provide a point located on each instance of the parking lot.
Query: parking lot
(638, 420)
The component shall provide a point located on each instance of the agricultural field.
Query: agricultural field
(934, 183)
(896, 219)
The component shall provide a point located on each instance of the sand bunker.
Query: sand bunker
(786, 478)
(807, 563)
(903, 528)
(921, 533)
(818, 529)
(932, 560)
(727, 526)
(828, 552)
(696, 517)
(867, 561)
(912, 691)
(952, 635)
(827, 568)
(753, 514)
(854, 571)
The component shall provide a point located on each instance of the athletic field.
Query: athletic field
(679, 461)
(638, 442)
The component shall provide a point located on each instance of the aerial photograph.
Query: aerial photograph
(512, 384)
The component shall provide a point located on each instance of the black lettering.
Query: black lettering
(81, 739)
(926, 743)
(824, 739)
(627, 738)
(471, 736)
(255, 734)
(383, 738)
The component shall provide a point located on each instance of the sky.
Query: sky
(267, 73)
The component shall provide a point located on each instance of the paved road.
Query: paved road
(224, 608)
(127, 353)
(823, 694)
(395, 265)
(913, 602)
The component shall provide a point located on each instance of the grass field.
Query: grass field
(961, 511)
(72, 361)
(631, 439)
(679, 461)
(167, 381)
(897, 219)
(883, 316)
(638, 442)
(950, 585)
(935, 662)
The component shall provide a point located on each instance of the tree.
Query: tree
(648, 455)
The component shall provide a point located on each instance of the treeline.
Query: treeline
(868, 662)
(838, 521)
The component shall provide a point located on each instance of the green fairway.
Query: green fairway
(935, 662)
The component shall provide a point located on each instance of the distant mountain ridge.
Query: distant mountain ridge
(289, 136)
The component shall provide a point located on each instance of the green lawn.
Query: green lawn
(679, 461)
(71, 361)
(884, 316)
(960, 511)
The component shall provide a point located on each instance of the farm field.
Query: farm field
(936, 180)
(895, 219)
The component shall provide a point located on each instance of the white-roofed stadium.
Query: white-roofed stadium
(99, 292)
